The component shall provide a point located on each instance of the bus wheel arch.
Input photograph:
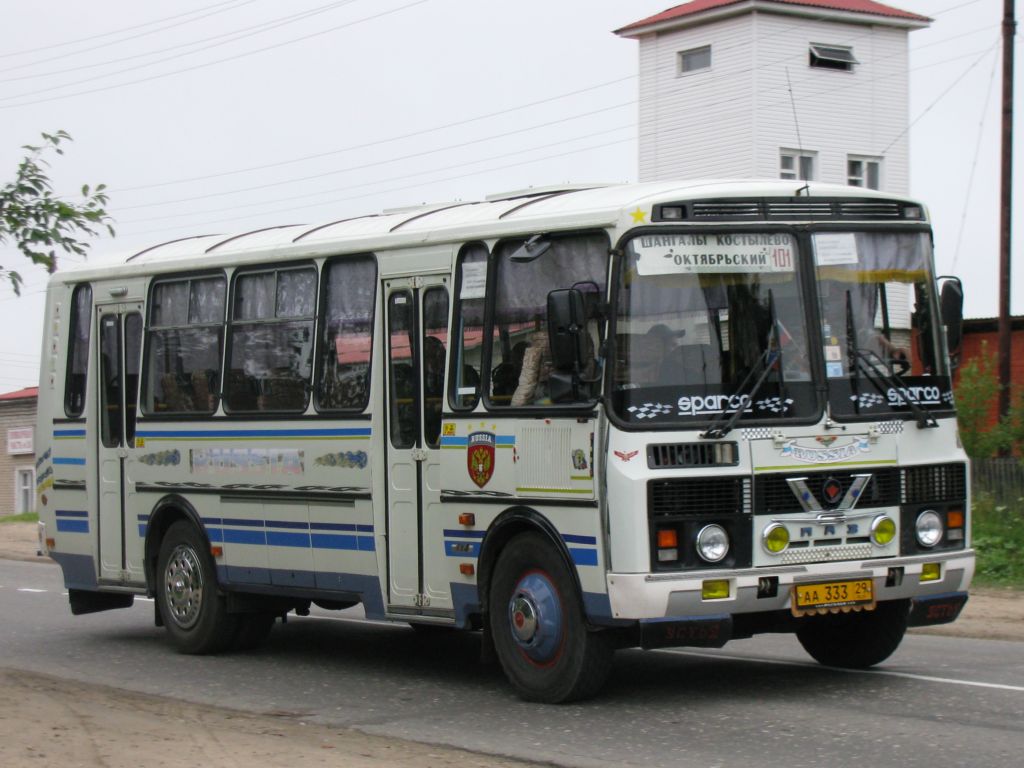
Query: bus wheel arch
(165, 513)
(509, 524)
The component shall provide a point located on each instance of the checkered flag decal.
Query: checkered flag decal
(649, 410)
(868, 400)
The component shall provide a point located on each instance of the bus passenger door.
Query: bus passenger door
(416, 317)
(120, 344)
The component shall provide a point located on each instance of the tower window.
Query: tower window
(832, 57)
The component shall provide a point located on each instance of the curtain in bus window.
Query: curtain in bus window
(78, 351)
(469, 335)
(271, 357)
(521, 358)
(346, 334)
(183, 353)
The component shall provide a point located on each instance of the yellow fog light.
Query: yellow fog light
(775, 538)
(883, 530)
(714, 589)
(931, 572)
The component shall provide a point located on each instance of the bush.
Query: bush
(998, 541)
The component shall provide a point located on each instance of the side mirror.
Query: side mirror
(951, 302)
(566, 326)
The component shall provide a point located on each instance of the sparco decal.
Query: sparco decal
(919, 395)
(825, 455)
(699, 405)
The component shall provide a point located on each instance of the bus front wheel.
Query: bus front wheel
(193, 612)
(539, 630)
(855, 640)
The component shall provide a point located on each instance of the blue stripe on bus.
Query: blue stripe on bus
(583, 556)
(464, 534)
(59, 433)
(73, 526)
(571, 538)
(335, 541)
(451, 440)
(233, 536)
(269, 433)
(71, 513)
(69, 460)
(281, 539)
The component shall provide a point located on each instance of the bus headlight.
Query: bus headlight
(712, 543)
(775, 538)
(883, 530)
(929, 528)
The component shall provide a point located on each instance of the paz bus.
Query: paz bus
(574, 419)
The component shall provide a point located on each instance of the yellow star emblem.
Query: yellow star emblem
(638, 216)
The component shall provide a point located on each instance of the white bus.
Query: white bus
(577, 419)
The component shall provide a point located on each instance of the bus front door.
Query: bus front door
(120, 344)
(417, 322)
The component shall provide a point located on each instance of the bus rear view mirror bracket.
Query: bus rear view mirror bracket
(532, 249)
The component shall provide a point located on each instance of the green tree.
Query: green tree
(976, 400)
(38, 222)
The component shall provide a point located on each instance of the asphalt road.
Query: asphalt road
(938, 701)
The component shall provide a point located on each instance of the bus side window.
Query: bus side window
(346, 335)
(185, 338)
(520, 353)
(271, 340)
(468, 328)
(78, 351)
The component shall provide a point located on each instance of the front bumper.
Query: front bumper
(649, 596)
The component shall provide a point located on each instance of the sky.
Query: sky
(224, 116)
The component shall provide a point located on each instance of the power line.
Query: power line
(235, 35)
(38, 48)
(226, 59)
(395, 159)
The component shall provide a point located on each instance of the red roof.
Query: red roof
(850, 6)
(21, 394)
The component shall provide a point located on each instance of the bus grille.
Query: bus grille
(935, 482)
(773, 495)
(670, 455)
(698, 496)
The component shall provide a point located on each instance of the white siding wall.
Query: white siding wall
(731, 120)
(697, 125)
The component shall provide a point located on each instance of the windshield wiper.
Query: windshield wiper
(771, 358)
(876, 370)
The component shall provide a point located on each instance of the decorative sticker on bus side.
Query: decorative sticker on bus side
(664, 254)
(274, 461)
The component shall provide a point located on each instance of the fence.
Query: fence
(1002, 479)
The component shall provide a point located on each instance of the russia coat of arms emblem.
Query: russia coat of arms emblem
(480, 457)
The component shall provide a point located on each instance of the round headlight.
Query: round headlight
(775, 538)
(883, 530)
(712, 543)
(929, 528)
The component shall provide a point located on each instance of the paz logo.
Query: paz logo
(480, 457)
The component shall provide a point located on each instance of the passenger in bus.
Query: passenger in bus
(532, 386)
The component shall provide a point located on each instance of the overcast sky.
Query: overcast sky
(207, 116)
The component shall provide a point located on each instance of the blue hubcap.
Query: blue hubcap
(535, 616)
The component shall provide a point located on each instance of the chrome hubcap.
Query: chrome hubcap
(183, 586)
(524, 619)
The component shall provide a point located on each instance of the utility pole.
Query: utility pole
(1006, 210)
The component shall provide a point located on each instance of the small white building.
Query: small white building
(798, 89)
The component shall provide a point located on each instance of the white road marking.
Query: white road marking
(27, 589)
(877, 672)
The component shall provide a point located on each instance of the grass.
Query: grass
(999, 542)
(24, 517)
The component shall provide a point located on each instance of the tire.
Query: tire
(537, 624)
(855, 640)
(253, 630)
(193, 612)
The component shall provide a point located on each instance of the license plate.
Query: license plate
(855, 594)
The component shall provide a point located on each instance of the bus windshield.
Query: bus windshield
(708, 324)
(880, 326)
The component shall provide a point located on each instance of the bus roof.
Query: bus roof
(527, 211)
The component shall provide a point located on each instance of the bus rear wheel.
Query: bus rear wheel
(855, 640)
(539, 630)
(193, 612)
